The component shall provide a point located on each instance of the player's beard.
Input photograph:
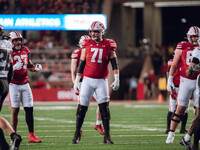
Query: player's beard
(18, 47)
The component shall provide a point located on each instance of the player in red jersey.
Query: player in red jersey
(6, 72)
(187, 87)
(75, 58)
(97, 52)
(20, 90)
(173, 100)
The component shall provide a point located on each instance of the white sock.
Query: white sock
(98, 122)
(187, 137)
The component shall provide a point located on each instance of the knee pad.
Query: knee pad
(105, 111)
(176, 115)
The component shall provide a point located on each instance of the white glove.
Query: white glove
(17, 66)
(170, 84)
(115, 84)
(76, 84)
(38, 67)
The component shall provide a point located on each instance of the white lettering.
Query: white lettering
(7, 21)
(66, 95)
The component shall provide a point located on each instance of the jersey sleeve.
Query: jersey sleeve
(113, 44)
(75, 54)
(181, 45)
(84, 43)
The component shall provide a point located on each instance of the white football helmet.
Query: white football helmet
(82, 38)
(16, 35)
(193, 31)
(97, 26)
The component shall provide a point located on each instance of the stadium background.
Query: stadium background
(146, 33)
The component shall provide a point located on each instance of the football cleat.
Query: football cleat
(187, 145)
(77, 138)
(170, 137)
(107, 140)
(34, 139)
(183, 131)
(167, 131)
(16, 140)
(100, 129)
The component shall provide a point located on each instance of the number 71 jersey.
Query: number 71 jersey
(97, 57)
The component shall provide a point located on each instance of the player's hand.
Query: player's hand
(17, 66)
(174, 94)
(38, 67)
(170, 84)
(76, 85)
(115, 84)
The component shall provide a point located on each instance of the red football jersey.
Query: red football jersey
(176, 79)
(20, 76)
(186, 58)
(76, 55)
(97, 57)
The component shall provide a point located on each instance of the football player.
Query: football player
(96, 54)
(173, 100)
(75, 59)
(187, 87)
(20, 90)
(6, 71)
(194, 127)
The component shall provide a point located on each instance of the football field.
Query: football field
(134, 126)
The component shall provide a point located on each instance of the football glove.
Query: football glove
(115, 84)
(17, 66)
(38, 67)
(76, 85)
(170, 84)
(173, 94)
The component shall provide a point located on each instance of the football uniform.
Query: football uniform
(19, 87)
(187, 84)
(5, 60)
(76, 54)
(96, 70)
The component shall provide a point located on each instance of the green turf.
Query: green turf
(133, 127)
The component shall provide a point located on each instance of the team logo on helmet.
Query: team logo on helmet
(193, 31)
(97, 26)
(82, 38)
(16, 35)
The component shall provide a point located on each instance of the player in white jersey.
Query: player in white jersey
(195, 125)
(6, 70)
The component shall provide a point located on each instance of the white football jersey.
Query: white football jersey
(5, 57)
(196, 53)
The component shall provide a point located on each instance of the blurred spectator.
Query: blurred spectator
(40, 83)
(132, 88)
(53, 77)
(164, 68)
(162, 86)
(152, 77)
(147, 86)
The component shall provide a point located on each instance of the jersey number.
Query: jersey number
(189, 58)
(5, 59)
(96, 51)
(19, 58)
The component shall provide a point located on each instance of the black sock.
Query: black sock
(80, 115)
(3, 143)
(105, 115)
(197, 134)
(169, 116)
(184, 121)
(29, 118)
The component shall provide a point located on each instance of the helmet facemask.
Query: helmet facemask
(15, 38)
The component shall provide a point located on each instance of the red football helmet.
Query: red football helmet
(82, 38)
(193, 31)
(16, 35)
(97, 26)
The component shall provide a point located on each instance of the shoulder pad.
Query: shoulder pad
(112, 43)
